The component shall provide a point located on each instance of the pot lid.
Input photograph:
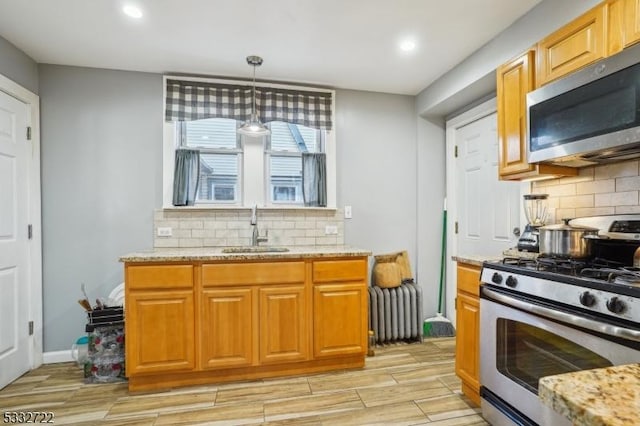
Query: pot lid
(566, 227)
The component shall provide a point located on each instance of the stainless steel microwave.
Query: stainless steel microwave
(591, 116)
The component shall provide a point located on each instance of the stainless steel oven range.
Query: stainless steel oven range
(556, 315)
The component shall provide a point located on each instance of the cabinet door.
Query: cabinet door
(467, 342)
(340, 319)
(284, 324)
(631, 22)
(160, 331)
(228, 327)
(579, 43)
(514, 80)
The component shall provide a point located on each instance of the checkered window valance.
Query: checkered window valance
(195, 100)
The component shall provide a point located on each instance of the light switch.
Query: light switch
(347, 212)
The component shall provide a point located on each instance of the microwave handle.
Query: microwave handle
(612, 330)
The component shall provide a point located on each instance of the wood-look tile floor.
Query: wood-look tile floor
(403, 384)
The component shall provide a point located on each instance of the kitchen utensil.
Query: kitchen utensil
(636, 258)
(567, 241)
(536, 211)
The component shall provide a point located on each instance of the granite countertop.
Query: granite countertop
(215, 253)
(605, 396)
(478, 259)
(474, 259)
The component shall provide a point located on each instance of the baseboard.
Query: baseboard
(56, 357)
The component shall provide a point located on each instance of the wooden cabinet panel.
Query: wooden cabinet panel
(228, 327)
(253, 273)
(467, 344)
(340, 319)
(160, 331)
(148, 277)
(579, 43)
(326, 271)
(469, 279)
(631, 22)
(284, 324)
(514, 80)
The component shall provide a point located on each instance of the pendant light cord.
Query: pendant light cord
(254, 92)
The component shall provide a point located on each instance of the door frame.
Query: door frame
(34, 212)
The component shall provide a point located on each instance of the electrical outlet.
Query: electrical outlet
(347, 212)
(164, 231)
(331, 230)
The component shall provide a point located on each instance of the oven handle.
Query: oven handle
(612, 330)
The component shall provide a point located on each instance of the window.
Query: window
(284, 152)
(239, 171)
(220, 156)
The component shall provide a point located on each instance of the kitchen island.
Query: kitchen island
(603, 397)
(198, 316)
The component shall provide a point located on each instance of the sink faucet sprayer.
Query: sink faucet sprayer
(255, 236)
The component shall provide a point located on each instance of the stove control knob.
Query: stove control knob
(496, 278)
(511, 281)
(616, 305)
(587, 299)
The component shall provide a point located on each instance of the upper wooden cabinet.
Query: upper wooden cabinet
(514, 80)
(631, 22)
(579, 43)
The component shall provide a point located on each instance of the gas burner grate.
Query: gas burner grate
(560, 265)
(616, 275)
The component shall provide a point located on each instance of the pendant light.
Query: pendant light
(253, 126)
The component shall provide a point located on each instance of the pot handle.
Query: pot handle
(595, 237)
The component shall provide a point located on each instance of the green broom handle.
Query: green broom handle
(443, 255)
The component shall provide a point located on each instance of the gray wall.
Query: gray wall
(473, 79)
(101, 181)
(376, 170)
(475, 76)
(17, 66)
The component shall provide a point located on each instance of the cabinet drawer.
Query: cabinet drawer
(327, 271)
(469, 279)
(253, 273)
(159, 276)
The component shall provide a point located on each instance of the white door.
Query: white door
(488, 209)
(14, 256)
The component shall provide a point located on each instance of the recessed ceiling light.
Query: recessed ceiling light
(132, 11)
(407, 45)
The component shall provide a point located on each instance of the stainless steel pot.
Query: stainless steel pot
(567, 241)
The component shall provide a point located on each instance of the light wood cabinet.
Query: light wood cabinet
(336, 305)
(207, 322)
(228, 327)
(340, 296)
(284, 324)
(514, 80)
(579, 43)
(468, 330)
(631, 22)
(160, 319)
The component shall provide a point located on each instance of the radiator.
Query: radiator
(395, 314)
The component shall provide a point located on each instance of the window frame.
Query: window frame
(268, 153)
(247, 170)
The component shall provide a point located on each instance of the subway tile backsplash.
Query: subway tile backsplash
(218, 228)
(598, 190)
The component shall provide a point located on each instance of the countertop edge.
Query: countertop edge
(602, 396)
(215, 253)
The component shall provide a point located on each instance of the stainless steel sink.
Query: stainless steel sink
(255, 249)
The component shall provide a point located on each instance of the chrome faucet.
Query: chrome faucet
(256, 239)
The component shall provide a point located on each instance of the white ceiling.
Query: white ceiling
(349, 44)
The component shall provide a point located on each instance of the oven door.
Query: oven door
(520, 344)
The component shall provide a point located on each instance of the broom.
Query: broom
(439, 326)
